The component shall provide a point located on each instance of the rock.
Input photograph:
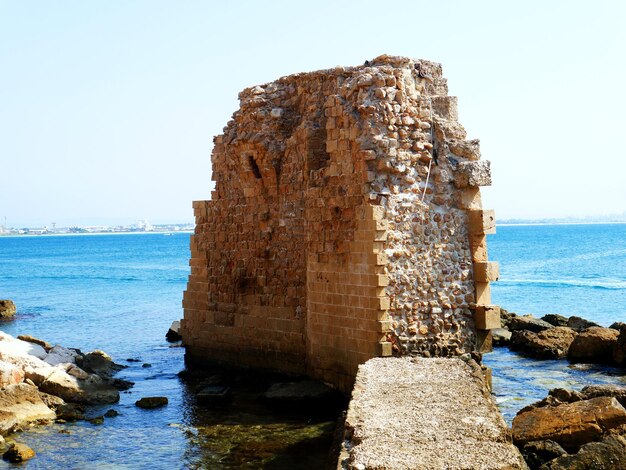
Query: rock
(173, 334)
(7, 309)
(151, 402)
(595, 345)
(10, 374)
(60, 355)
(21, 405)
(571, 425)
(15, 347)
(92, 391)
(537, 453)
(97, 420)
(111, 414)
(579, 324)
(71, 412)
(615, 391)
(610, 453)
(505, 317)
(568, 396)
(306, 393)
(619, 348)
(529, 323)
(18, 452)
(472, 174)
(51, 401)
(213, 395)
(555, 319)
(501, 336)
(618, 325)
(31, 339)
(146, 365)
(552, 343)
(99, 362)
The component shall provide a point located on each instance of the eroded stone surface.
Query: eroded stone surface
(418, 413)
(572, 424)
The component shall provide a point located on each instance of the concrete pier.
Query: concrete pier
(418, 413)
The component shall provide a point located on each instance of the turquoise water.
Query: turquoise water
(120, 293)
(566, 269)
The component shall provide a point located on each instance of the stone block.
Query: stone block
(472, 174)
(384, 349)
(384, 326)
(483, 293)
(481, 221)
(469, 149)
(469, 198)
(446, 107)
(484, 341)
(487, 317)
(486, 271)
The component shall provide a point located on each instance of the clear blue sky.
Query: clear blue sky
(108, 108)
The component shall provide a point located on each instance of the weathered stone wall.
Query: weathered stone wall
(346, 224)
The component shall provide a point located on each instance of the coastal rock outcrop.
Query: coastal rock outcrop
(619, 349)
(37, 379)
(555, 319)
(609, 453)
(570, 425)
(579, 324)
(552, 343)
(594, 344)
(7, 308)
(21, 405)
(528, 322)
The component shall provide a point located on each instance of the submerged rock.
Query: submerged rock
(151, 402)
(570, 425)
(305, 390)
(213, 395)
(552, 343)
(595, 345)
(7, 308)
(21, 405)
(18, 452)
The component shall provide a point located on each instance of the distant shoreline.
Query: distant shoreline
(18, 235)
(512, 224)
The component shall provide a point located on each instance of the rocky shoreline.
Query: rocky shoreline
(41, 383)
(557, 337)
(569, 429)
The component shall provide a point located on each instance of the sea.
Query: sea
(120, 293)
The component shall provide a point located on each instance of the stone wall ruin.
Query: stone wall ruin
(346, 223)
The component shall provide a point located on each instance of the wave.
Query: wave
(592, 282)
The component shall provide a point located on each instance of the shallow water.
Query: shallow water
(119, 293)
(566, 269)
